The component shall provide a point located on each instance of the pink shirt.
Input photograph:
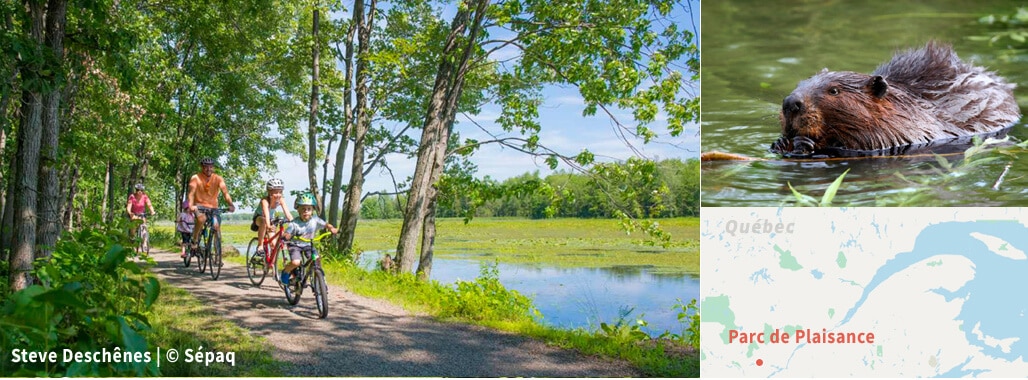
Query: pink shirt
(138, 205)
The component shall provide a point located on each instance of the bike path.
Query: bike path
(372, 338)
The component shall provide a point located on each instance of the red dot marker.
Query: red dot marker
(760, 362)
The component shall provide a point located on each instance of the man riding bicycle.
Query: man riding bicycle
(203, 192)
(137, 204)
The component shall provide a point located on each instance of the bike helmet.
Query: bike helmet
(140, 186)
(305, 199)
(275, 184)
(207, 161)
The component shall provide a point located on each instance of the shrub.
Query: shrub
(90, 297)
(486, 298)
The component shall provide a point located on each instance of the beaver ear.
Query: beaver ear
(879, 87)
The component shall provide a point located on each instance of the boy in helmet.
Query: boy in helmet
(265, 211)
(307, 226)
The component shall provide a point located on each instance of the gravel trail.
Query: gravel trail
(369, 337)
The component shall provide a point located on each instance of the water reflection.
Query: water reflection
(755, 53)
(581, 297)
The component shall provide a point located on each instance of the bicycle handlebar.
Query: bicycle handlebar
(316, 238)
(209, 210)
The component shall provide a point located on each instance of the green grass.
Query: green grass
(180, 321)
(590, 243)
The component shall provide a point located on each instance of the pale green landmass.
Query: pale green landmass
(786, 260)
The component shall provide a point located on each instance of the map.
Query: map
(868, 292)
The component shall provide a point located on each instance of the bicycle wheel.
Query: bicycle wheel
(320, 291)
(201, 251)
(189, 256)
(144, 235)
(255, 266)
(214, 255)
(139, 239)
(295, 286)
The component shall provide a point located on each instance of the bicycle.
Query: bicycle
(309, 269)
(262, 262)
(209, 238)
(143, 235)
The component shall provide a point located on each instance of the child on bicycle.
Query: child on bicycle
(306, 226)
(184, 225)
(265, 211)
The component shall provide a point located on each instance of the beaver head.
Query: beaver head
(919, 97)
(831, 110)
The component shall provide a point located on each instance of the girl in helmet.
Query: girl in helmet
(265, 211)
(306, 226)
(137, 204)
(184, 225)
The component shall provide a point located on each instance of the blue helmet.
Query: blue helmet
(305, 199)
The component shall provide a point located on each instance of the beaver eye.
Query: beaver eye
(833, 91)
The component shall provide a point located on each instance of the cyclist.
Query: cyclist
(184, 225)
(203, 191)
(306, 226)
(137, 204)
(266, 209)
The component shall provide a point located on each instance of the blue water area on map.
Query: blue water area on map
(817, 274)
(995, 299)
(761, 275)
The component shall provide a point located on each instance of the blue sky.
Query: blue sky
(564, 130)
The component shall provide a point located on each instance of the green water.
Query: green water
(754, 54)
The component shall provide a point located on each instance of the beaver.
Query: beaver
(923, 97)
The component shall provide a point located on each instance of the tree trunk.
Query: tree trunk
(324, 167)
(5, 101)
(344, 142)
(312, 130)
(105, 211)
(438, 123)
(7, 232)
(362, 123)
(50, 199)
(69, 208)
(427, 239)
(29, 134)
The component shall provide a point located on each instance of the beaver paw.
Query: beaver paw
(802, 145)
(781, 146)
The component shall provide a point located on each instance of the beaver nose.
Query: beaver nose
(792, 104)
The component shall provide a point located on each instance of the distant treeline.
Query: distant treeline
(637, 188)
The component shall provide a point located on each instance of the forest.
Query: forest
(669, 188)
(102, 95)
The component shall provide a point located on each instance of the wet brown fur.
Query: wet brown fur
(918, 97)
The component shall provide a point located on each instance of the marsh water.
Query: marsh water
(756, 52)
(581, 297)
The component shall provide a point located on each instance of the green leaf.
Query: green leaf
(551, 161)
(61, 297)
(826, 200)
(113, 258)
(153, 288)
(130, 339)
